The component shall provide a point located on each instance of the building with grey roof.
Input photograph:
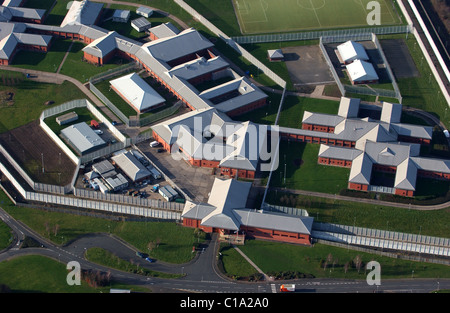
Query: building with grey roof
(366, 146)
(226, 212)
(350, 51)
(137, 92)
(163, 30)
(82, 138)
(131, 166)
(144, 11)
(141, 24)
(172, 49)
(13, 38)
(121, 16)
(209, 138)
(82, 12)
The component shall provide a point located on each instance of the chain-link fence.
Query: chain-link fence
(382, 239)
(344, 34)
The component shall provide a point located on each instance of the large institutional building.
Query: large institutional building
(208, 137)
(366, 145)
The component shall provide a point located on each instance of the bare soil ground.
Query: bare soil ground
(32, 148)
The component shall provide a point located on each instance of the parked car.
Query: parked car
(140, 254)
(98, 131)
(114, 123)
(150, 260)
(161, 150)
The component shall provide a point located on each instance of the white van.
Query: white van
(154, 144)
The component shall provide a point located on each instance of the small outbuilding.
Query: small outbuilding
(144, 11)
(121, 16)
(275, 55)
(141, 24)
(67, 118)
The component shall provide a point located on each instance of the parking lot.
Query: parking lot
(196, 182)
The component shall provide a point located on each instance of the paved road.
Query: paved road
(200, 275)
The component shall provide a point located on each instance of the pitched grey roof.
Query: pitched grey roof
(226, 209)
(27, 13)
(171, 48)
(361, 170)
(349, 107)
(321, 119)
(360, 71)
(391, 112)
(131, 166)
(274, 221)
(351, 50)
(164, 30)
(82, 13)
(406, 175)
(82, 137)
(198, 67)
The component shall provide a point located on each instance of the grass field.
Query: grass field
(264, 16)
(324, 261)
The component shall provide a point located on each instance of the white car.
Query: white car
(98, 132)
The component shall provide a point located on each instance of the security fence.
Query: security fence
(331, 66)
(382, 239)
(128, 200)
(126, 68)
(361, 89)
(111, 105)
(314, 35)
(34, 185)
(284, 209)
(70, 201)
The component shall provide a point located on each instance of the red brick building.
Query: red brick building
(225, 214)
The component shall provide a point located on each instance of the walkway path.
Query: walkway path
(65, 57)
(266, 277)
(56, 78)
(364, 200)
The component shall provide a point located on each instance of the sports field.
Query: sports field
(264, 16)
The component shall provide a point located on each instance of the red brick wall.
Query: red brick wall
(405, 193)
(269, 234)
(334, 162)
(357, 186)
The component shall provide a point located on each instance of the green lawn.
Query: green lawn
(109, 259)
(39, 274)
(5, 235)
(272, 257)
(175, 242)
(126, 29)
(292, 111)
(47, 62)
(75, 67)
(29, 98)
(84, 115)
(431, 223)
(299, 161)
(256, 16)
(58, 12)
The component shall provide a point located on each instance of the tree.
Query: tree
(55, 229)
(151, 245)
(358, 262)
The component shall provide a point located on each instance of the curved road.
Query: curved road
(200, 275)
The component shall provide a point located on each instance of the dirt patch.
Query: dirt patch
(6, 98)
(33, 149)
